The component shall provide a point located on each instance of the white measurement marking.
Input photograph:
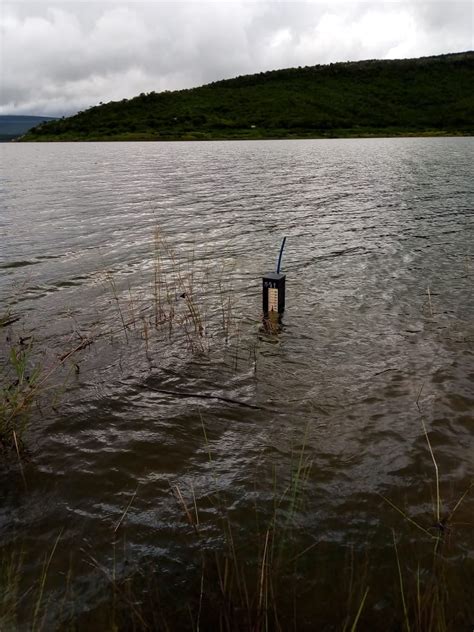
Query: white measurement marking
(272, 299)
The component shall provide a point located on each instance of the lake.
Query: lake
(135, 272)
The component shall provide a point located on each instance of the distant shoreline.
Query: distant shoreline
(189, 138)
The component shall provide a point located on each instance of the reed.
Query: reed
(11, 566)
(20, 381)
(182, 300)
(178, 306)
(115, 294)
(239, 576)
(248, 582)
(15, 594)
(32, 379)
(426, 603)
(261, 579)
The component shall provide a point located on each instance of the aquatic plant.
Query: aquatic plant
(272, 575)
(31, 380)
(180, 298)
(20, 378)
(425, 590)
(14, 593)
(181, 303)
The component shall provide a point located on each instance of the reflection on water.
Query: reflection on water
(378, 319)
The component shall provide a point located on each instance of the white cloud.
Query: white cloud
(60, 57)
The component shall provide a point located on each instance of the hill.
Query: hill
(430, 95)
(12, 126)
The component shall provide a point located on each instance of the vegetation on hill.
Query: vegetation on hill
(430, 95)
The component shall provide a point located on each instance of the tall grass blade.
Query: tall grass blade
(402, 591)
(359, 611)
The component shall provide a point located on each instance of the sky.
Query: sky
(57, 58)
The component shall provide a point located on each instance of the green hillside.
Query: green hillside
(430, 95)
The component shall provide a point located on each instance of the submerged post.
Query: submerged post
(273, 289)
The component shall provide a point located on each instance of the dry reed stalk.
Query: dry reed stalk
(145, 337)
(237, 344)
(429, 301)
(44, 575)
(438, 500)
(263, 574)
(116, 298)
(400, 578)
(157, 278)
(359, 611)
(19, 461)
(407, 517)
(10, 575)
(459, 502)
(201, 596)
(179, 278)
(117, 588)
(131, 306)
(117, 526)
(181, 500)
(196, 513)
(418, 593)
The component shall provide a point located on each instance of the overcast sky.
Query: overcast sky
(61, 57)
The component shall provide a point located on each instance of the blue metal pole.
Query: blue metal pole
(281, 255)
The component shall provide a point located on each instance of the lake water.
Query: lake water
(377, 338)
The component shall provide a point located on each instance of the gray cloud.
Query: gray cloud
(57, 58)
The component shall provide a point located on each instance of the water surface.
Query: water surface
(377, 337)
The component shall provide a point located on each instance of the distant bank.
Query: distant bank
(12, 126)
(429, 96)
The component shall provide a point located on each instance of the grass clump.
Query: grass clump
(20, 381)
(176, 299)
(433, 577)
(25, 603)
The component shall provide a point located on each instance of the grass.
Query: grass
(180, 298)
(426, 605)
(272, 575)
(14, 594)
(266, 572)
(246, 582)
(31, 381)
(175, 309)
(21, 380)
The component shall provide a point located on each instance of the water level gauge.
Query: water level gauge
(273, 293)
